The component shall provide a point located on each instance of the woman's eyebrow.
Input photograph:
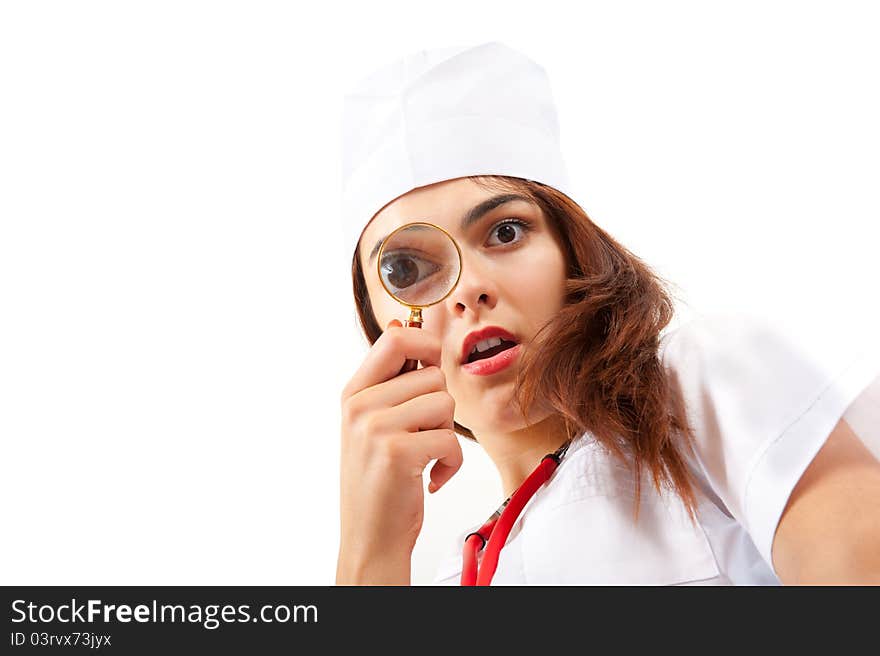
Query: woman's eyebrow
(472, 216)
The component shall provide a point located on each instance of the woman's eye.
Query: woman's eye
(508, 232)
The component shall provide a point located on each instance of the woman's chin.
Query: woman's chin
(497, 413)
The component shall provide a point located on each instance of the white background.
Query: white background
(176, 322)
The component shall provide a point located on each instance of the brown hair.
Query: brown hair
(597, 363)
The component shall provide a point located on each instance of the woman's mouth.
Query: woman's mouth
(493, 359)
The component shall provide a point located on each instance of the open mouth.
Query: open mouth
(491, 351)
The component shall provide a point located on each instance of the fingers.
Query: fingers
(402, 388)
(387, 356)
(421, 413)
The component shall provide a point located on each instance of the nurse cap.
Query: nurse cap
(441, 114)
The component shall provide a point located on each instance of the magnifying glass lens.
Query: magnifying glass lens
(419, 265)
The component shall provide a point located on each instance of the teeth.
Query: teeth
(486, 344)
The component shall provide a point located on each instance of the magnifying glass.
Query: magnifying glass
(419, 265)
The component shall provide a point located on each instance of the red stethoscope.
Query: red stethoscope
(493, 533)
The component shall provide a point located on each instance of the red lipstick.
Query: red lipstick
(499, 361)
(492, 365)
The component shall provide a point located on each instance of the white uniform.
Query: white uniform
(761, 403)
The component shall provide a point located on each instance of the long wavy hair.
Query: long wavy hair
(597, 362)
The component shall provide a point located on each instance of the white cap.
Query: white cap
(443, 114)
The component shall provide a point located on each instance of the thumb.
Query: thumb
(393, 322)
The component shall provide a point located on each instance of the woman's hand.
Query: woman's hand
(393, 426)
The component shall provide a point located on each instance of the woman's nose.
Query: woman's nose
(476, 292)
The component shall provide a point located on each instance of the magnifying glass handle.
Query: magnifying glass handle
(409, 365)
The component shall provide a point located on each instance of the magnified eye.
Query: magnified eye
(402, 270)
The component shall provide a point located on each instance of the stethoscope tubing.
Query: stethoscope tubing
(494, 532)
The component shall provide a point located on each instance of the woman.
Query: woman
(583, 362)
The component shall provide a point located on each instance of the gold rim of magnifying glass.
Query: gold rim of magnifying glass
(382, 250)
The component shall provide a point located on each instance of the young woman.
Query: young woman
(586, 318)
(717, 453)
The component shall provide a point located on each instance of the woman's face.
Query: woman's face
(513, 277)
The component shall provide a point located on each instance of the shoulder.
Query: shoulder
(764, 373)
(762, 395)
